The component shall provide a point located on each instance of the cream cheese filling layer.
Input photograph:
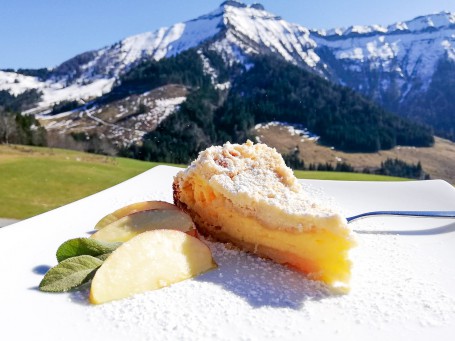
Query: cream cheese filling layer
(321, 248)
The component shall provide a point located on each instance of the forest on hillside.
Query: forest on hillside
(267, 89)
(15, 127)
(270, 90)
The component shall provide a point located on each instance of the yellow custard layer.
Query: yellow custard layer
(320, 251)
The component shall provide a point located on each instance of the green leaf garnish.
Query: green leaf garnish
(84, 246)
(70, 273)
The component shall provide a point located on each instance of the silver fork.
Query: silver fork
(421, 214)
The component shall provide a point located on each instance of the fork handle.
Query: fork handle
(422, 214)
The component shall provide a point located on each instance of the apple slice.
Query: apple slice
(130, 226)
(150, 261)
(133, 208)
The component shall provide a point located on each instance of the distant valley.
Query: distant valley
(437, 160)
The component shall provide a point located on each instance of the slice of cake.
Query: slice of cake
(246, 195)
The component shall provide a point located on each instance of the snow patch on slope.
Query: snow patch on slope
(16, 83)
(53, 92)
(292, 128)
(212, 73)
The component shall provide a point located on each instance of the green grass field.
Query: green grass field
(322, 175)
(35, 180)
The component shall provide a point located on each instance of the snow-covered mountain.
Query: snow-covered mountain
(407, 67)
(392, 65)
(234, 29)
(371, 58)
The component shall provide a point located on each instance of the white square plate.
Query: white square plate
(403, 284)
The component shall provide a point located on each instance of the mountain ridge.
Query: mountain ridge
(443, 19)
(394, 69)
(295, 43)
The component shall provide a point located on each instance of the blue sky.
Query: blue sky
(44, 33)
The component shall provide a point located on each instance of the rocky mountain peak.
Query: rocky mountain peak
(239, 4)
(233, 3)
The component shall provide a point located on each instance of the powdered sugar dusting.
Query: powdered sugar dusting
(391, 286)
(266, 300)
(319, 195)
(255, 179)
